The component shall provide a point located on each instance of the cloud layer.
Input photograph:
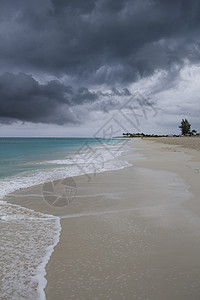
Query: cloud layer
(89, 47)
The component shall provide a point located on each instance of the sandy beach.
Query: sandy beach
(100, 150)
(132, 233)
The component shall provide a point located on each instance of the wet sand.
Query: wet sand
(129, 234)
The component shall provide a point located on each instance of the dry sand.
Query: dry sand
(186, 142)
(132, 233)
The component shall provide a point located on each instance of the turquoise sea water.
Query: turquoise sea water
(27, 237)
(18, 155)
(25, 162)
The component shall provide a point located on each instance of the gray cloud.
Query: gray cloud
(126, 38)
(102, 43)
(25, 99)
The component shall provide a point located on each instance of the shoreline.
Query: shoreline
(110, 220)
(27, 201)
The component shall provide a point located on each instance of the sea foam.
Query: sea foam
(27, 242)
(28, 238)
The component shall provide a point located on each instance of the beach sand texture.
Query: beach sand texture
(187, 142)
(132, 233)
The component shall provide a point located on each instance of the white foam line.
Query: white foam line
(96, 213)
(8, 186)
(119, 211)
(39, 278)
(25, 196)
(41, 269)
(41, 196)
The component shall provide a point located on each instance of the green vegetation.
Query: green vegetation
(185, 128)
(128, 134)
(185, 131)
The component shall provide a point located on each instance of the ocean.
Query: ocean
(27, 238)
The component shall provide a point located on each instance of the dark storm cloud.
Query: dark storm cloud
(103, 42)
(98, 41)
(23, 98)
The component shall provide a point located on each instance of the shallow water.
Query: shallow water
(28, 238)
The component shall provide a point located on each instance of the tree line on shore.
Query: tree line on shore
(128, 134)
(185, 128)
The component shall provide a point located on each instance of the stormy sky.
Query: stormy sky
(73, 67)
